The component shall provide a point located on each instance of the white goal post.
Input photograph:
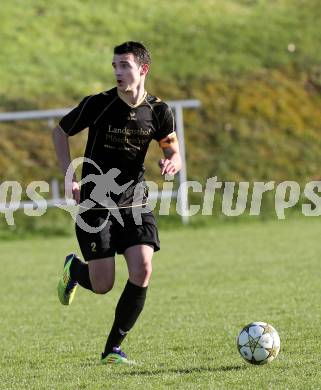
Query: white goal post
(177, 106)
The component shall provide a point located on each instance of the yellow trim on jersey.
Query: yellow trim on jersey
(125, 99)
(114, 208)
(168, 140)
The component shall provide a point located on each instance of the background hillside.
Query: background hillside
(255, 66)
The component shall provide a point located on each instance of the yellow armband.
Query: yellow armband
(169, 140)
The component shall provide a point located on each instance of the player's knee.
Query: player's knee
(102, 287)
(148, 270)
(142, 274)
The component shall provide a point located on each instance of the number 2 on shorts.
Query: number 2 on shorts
(93, 246)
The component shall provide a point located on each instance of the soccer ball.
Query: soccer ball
(258, 343)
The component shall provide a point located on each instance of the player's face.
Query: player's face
(127, 72)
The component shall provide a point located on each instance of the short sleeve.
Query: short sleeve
(166, 123)
(77, 119)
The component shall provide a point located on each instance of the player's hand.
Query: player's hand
(167, 167)
(76, 191)
(73, 191)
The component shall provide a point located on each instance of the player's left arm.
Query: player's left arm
(171, 163)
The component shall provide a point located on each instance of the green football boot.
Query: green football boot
(116, 357)
(66, 286)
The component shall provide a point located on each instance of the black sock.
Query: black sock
(128, 309)
(79, 271)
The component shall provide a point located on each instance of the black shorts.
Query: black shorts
(111, 237)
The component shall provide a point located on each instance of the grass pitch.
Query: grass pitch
(207, 284)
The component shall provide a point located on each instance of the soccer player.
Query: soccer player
(122, 122)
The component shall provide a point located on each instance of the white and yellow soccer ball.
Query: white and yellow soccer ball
(258, 343)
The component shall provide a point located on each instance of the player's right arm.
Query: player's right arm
(75, 121)
(61, 143)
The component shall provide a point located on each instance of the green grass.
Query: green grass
(58, 51)
(207, 283)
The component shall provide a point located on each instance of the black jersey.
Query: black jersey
(119, 135)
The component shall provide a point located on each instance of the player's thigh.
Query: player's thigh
(93, 230)
(102, 274)
(139, 263)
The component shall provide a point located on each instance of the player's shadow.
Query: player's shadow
(180, 371)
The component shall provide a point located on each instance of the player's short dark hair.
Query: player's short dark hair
(139, 51)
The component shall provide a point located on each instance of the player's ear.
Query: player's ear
(144, 69)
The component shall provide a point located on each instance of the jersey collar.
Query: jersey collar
(125, 99)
